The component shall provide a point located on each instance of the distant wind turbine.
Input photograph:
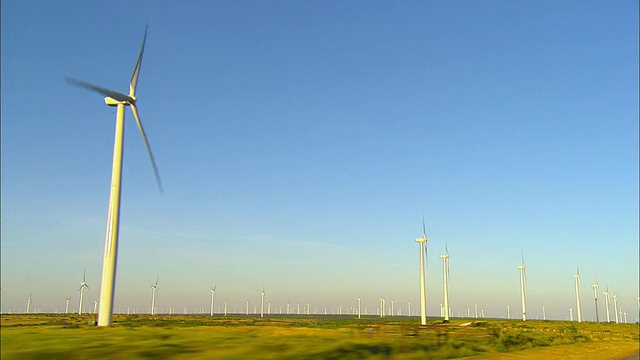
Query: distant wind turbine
(615, 307)
(262, 303)
(66, 309)
(523, 277)
(28, 303)
(595, 298)
(119, 100)
(445, 277)
(154, 289)
(359, 308)
(83, 285)
(577, 277)
(213, 293)
(423, 285)
(606, 303)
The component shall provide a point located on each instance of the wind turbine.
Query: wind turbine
(606, 303)
(66, 309)
(423, 285)
(119, 100)
(262, 303)
(359, 308)
(154, 288)
(595, 297)
(577, 277)
(445, 277)
(523, 277)
(213, 293)
(83, 284)
(615, 307)
(28, 303)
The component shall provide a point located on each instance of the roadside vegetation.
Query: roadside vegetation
(59, 336)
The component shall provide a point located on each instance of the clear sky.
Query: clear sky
(300, 142)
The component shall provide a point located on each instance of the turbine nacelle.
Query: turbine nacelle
(113, 102)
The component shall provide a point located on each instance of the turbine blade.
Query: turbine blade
(104, 91)
(136, 70)
(424, 228)
(87, 287)
(146, 144)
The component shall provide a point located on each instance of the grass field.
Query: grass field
(49, 336)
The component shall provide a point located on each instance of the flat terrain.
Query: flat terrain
(49, 336)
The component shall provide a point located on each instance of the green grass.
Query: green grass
(48, 336)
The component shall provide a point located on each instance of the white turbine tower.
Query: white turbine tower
(262, 303)
(595, 298)
(359, 312)
(445, 280)
(523, 277)
(615, 307)
(423, 286)
(66, 308)
(577, 277)
(606, 304)
(119, 100)
(213, 293)
(154, 289)
(83, 285)
(28, 304)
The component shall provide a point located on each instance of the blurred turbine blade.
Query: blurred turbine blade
(136, 70)
(104, 91)
(146, 143)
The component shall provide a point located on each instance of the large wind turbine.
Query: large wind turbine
(213, 293)
(445, 280)
(423, 286)
(83, 285)
(119, 100)
(154, 288)
(522, 282)
(577, 277)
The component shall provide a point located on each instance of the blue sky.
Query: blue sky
(299, 144)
